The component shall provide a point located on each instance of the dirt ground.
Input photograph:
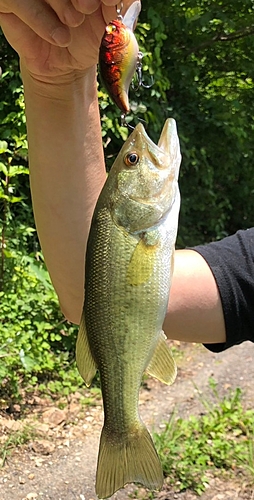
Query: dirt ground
(59, 463)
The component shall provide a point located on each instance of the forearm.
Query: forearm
(66, 174)
(194, 311)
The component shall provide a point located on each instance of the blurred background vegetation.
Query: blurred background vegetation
(200, 54)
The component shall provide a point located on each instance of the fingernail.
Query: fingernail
(87, 6)
(61, 36)
(73, 17)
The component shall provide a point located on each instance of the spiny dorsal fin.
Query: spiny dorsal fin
(162, 364)
(84, 358)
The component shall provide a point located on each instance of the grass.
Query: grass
(13, 440)
(221, 439)
(191, 450)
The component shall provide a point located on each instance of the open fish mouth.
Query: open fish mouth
(166, 151)
(153, 178)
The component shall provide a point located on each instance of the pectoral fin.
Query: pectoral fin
(84, 358)
(142, 263)
(162, 365)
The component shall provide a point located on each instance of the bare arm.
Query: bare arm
(194, 312)
(58, 43)
(66, 175)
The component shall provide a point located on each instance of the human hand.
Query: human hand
(56, 38)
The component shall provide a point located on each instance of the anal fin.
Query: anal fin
(84, 358)
(162, 364)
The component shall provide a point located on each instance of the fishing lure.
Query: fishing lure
(119, 56)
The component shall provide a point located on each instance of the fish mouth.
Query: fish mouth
(164, 159)
(167, 151)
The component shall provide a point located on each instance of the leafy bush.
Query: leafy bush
(222, 438)
(37, 345)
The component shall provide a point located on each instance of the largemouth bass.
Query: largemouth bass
(129, 264)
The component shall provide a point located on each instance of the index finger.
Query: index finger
(40, 18)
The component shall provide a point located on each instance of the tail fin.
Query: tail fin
(132, 459)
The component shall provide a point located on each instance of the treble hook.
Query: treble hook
(124, 122)
(139, 73)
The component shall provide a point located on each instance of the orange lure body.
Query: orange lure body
(117, 61)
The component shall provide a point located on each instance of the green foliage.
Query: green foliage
(222, 438)
(200, 55)
(16, 218)
(36, 345)
(15, 439)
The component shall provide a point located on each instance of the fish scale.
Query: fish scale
(129, 263)
(114, 298)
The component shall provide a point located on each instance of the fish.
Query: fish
(118, 57)
(129, 265)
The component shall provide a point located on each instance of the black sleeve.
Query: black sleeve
(232, 263)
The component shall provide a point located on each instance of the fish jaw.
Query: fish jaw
(142, 194)
(169, 143)
(117, 62)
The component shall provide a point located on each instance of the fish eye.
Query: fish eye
(131, 159)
